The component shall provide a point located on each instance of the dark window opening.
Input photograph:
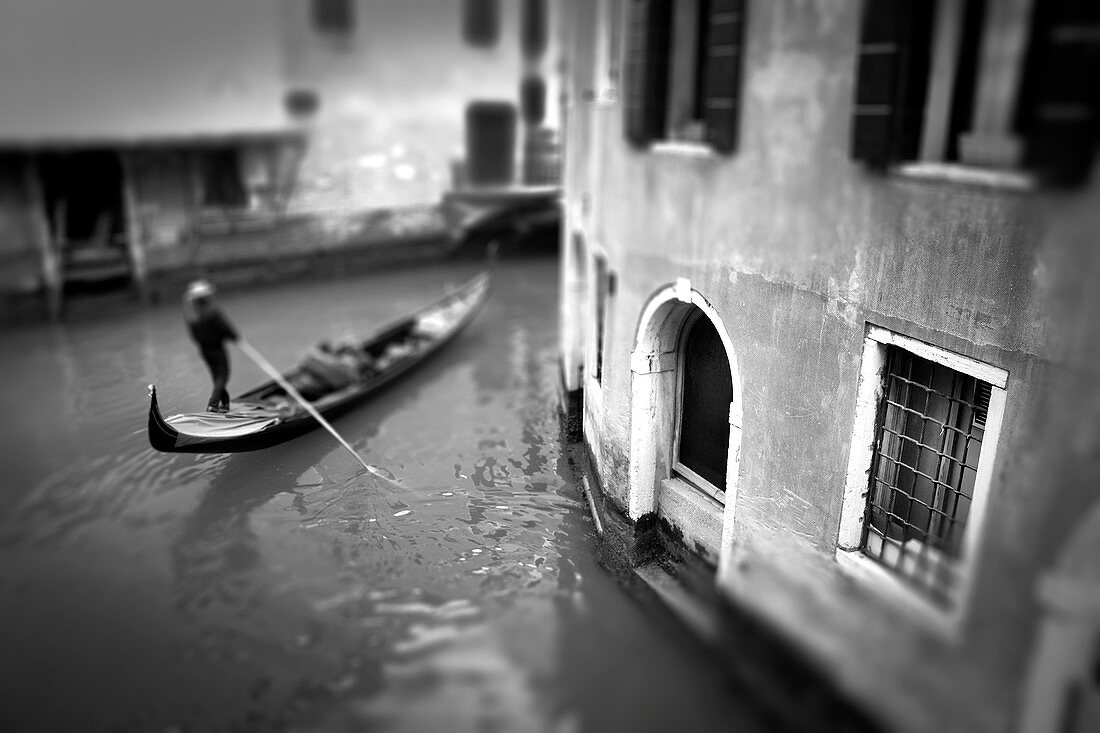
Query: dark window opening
(534, 31)
(222, 183)
(82, 194)
(481, 22)
(683, 71)
(918, 76)
(1058, 109)
(928, 439)
(532, 96)
(721, 39)
(490, 142)
(892, 80)
(705, 397)
(645, 93)
(602, 293)
(334, 16)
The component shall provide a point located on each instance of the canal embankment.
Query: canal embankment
(286, 589)
(651, 562)
(249, 253)
(244, 251)
(232, 252)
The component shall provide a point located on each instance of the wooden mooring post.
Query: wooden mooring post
(50, 255)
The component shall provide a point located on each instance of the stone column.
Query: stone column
(135, 235)
(650, 427)
(991, 142)
(52, 283)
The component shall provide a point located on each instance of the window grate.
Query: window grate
(928, 438)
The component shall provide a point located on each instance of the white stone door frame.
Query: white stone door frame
(654, 383)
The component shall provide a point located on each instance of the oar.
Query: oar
(272, 372)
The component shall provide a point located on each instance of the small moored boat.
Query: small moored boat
(267, 416)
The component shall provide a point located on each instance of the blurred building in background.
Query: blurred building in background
(828, 321)
(149, 140)
(416, 98)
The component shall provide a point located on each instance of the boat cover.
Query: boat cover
(240, 421)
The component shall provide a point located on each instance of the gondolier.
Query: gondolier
(210, 330)
(271, 414)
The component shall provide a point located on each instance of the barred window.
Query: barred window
(927, 445)
(920, 473)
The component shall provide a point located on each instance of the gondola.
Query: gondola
(265, 416)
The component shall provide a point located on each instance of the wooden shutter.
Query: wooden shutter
(481, 22)
(891, 80)
(646, 85)
(532, 99)
(490, 142)
(1060, 102)
(222, 184)
(722, 36)
(533, 30)
(333, 16)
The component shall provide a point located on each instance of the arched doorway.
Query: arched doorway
(685, 418)
(704, 391)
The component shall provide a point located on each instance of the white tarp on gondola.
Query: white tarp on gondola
(238, 422)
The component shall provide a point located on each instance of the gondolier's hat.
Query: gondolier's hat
(198, 290)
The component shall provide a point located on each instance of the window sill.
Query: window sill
(606, 98)
(683, 148)
(1004, 180)
(945, 623)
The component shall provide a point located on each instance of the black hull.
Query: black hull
(165, 438)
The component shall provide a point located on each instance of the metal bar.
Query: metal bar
(592, 506)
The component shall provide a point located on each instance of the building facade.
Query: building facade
(828, 301)
(397, 80)
(143, 138)
(125, 121)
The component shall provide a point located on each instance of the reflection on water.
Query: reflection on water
(290, 588)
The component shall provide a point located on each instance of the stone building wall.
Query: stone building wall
(393, 92)
(796, 248)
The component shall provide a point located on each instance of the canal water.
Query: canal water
(290, 589)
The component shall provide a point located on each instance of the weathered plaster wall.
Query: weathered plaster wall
(393, 98)
(797, 248)
(578, 31)
(122, 69)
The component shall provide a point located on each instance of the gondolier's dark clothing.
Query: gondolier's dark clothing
(210, 332)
